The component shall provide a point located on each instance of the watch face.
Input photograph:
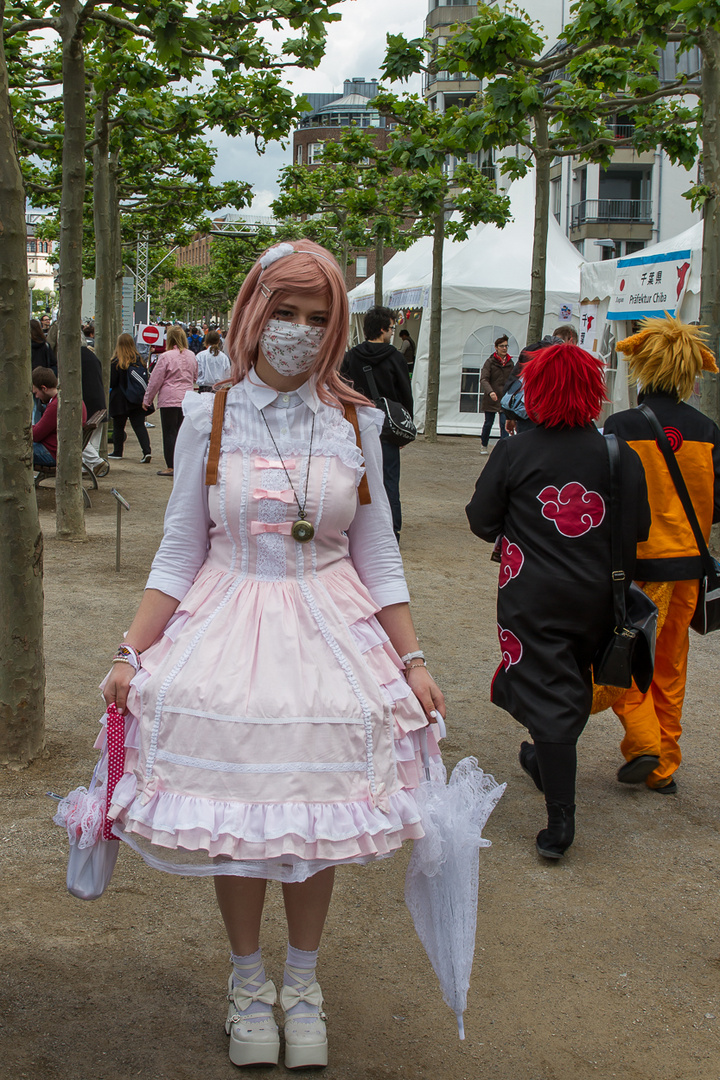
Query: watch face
(302, 531)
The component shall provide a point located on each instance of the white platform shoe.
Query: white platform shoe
(254, 1036)
(306, 1042)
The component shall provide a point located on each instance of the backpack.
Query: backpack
(136, 383)
(513, 400)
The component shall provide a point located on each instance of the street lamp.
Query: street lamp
(31, 286)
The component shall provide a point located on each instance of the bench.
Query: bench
(49, 472)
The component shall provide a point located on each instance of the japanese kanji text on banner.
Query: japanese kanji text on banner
(649, 285)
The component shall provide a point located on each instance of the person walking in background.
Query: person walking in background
(93, 395)
(389, 370)
(195, 341)
(173, 375)
(496, 372)
(566, 333)
(548, 493)
(41, 354)
(666, 357)
(407, 348)
(213, 364)
(127, 371)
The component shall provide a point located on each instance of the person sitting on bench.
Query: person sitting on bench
(44, 433)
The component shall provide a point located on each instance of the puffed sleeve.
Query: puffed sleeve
(373, 547)
(183, 548)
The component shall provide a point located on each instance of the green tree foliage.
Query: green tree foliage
(561, 103)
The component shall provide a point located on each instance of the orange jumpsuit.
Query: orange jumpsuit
(652, 721)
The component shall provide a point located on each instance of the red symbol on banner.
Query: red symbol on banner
(151, 335)
(682, 274)
(622, 284)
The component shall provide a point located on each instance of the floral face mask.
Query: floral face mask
(291, 348)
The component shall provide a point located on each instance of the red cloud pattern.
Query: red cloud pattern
(574, 509)
(510, 647)
(512, 562)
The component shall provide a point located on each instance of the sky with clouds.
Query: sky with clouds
(355, 47)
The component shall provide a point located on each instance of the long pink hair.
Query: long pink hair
(311, 270)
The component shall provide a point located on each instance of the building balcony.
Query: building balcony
(602, 211)
(449, 14)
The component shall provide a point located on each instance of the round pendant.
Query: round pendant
(302, 531)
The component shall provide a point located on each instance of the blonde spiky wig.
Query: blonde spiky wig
(668, 355)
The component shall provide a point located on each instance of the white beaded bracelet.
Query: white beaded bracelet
(418, 655)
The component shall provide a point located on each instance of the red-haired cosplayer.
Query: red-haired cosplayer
(547, 492)
(666, 357)
(273, 722)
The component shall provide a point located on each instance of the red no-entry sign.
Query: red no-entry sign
(151, 334)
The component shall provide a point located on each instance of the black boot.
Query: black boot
(529, 763)
(553, 842)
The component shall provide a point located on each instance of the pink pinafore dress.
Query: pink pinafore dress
(270, 731)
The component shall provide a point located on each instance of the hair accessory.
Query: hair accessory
(275, 253)
(265, 291)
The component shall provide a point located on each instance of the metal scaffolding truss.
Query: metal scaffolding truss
(237, 225)
(141, 269)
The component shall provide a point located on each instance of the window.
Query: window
(314, 153)
(361, 268)
(478, 347)
(299, 155)
(555, 198)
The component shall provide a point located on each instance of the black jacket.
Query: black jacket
(93, 391)
(389, 369)
(43, 356)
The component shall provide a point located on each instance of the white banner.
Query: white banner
(588, 332)
(649, 285)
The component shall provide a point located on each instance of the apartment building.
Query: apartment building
(324, 122)
(606, 213)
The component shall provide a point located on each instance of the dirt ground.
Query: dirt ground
(604, 965)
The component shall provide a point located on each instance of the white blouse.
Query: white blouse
(212, 368)
(372, 545)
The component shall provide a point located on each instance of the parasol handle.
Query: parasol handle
(424, 752)
(461, 1025)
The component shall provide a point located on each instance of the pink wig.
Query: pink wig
(311, 269)
(564, 386)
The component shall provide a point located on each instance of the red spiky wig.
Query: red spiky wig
(564, 386)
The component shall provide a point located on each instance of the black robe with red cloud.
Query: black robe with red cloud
(548, 492)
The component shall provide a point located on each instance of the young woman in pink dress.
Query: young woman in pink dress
(272, 723)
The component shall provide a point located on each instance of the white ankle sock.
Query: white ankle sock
(249, 972)
(300, 974)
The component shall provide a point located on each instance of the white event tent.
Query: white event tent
(486, 292)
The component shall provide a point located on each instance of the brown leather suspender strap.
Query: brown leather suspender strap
(363, 487)
(211, 472)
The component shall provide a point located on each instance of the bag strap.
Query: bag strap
(371, 381)
(363, 487)
(680, 486)
(618, 573)
(213, 461)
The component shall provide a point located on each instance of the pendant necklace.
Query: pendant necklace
(302, 529)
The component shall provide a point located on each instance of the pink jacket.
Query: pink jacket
(173, 375)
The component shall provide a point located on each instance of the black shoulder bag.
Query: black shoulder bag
(630, 652)
(707, 613)
(398, 428)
